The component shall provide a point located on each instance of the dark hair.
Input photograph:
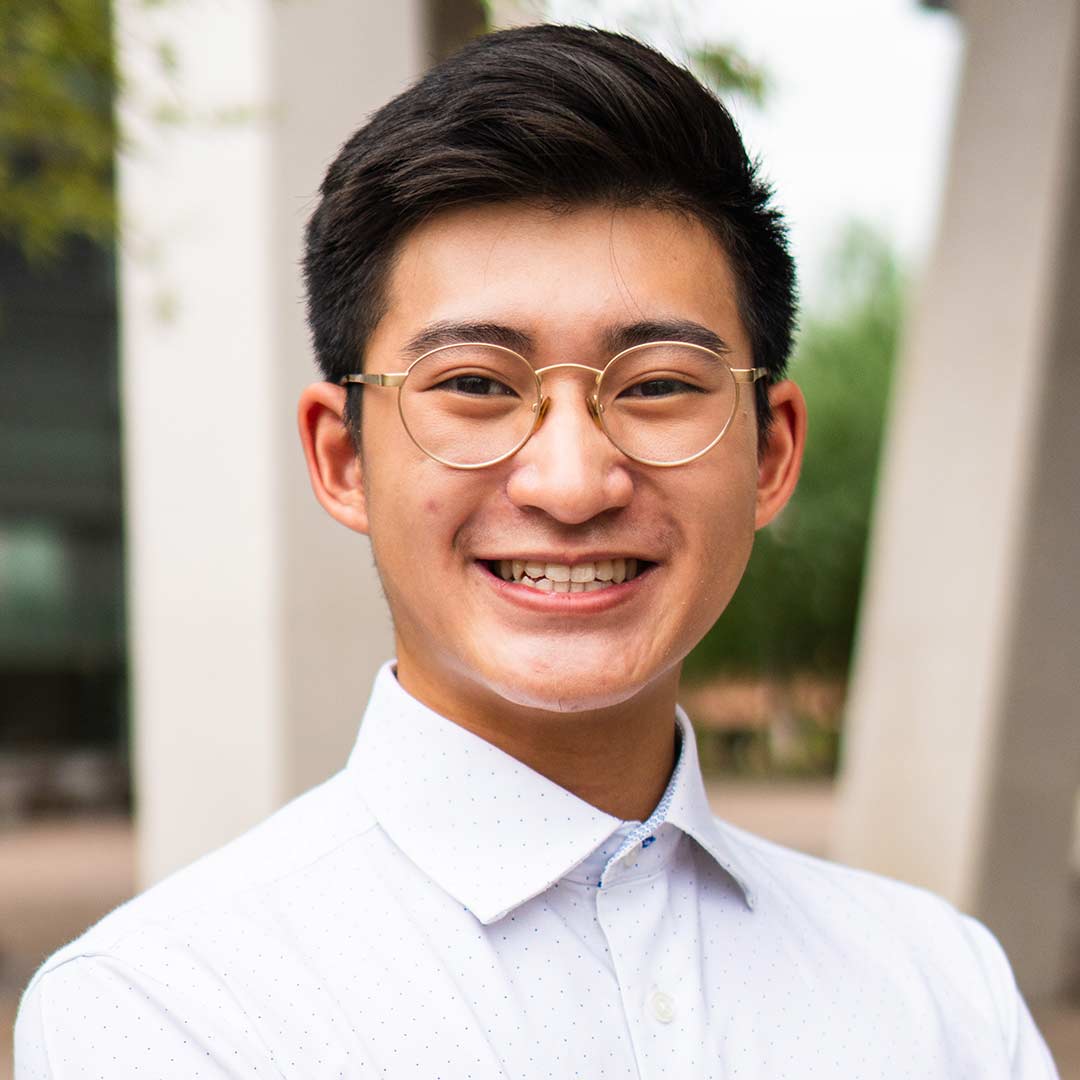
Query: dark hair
(557, 114)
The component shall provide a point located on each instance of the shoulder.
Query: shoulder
(285, 855)
(172, 974)
(899, 934)
(854, 902)
(289, 846)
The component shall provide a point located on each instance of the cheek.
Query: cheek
(420, 512)
(725, 532)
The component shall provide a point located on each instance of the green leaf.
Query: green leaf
(726, 70)
(57, 130)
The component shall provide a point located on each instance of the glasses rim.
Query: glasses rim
(397, 379)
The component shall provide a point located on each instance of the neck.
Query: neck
(617, 758)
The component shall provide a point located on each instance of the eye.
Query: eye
(660, 387)
(476, 386)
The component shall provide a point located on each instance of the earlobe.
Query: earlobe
(781, 459)
(334, 467)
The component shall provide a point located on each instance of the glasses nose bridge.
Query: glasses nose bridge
(590, 398)
(568, 363)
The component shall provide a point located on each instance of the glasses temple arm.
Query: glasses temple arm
(395, 378)
(749, 375)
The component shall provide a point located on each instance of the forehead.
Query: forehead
(565, 278)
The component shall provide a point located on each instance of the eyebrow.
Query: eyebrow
(638, 333)
(455, 333)
(615, 338)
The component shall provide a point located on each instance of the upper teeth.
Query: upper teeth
(562, 577)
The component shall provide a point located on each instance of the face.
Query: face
(567, 283)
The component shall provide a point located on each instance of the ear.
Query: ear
(781, 459)
(337, 476)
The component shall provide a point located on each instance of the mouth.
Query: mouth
(580, 577)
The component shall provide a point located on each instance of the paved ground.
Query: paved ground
(58, 877)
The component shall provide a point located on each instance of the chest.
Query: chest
(669, 975)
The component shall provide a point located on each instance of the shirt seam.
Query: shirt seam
(220, 903)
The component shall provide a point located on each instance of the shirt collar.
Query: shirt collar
(486, 828)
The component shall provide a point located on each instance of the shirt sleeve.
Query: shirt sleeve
(1028, 1054)
(95, 1016)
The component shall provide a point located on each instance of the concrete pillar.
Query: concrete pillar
(962, 753)
(256, 623)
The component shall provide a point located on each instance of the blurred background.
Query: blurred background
(186, 640)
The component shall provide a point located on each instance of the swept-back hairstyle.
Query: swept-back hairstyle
(559, 115)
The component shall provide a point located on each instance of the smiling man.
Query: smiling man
(545, 584)
(553, 307)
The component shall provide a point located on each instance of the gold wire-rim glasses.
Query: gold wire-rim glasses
(740, 376)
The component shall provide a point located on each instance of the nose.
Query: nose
(569, 469)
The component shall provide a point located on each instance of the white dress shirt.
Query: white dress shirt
(438, 909)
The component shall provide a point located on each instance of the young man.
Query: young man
(553, 309)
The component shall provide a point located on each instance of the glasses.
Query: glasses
(475, 404)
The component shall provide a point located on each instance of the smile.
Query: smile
(566, 578)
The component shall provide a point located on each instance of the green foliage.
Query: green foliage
(796, 608)
(727, 71)
(57, 130)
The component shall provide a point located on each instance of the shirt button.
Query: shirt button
(663, 1006)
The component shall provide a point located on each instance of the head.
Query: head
(562, 188)
(560, 116)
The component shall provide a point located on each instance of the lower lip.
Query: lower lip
(568, 603)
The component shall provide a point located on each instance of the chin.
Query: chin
(568, 688)
(562, 697)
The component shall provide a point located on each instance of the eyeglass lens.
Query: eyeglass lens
(473, 404)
